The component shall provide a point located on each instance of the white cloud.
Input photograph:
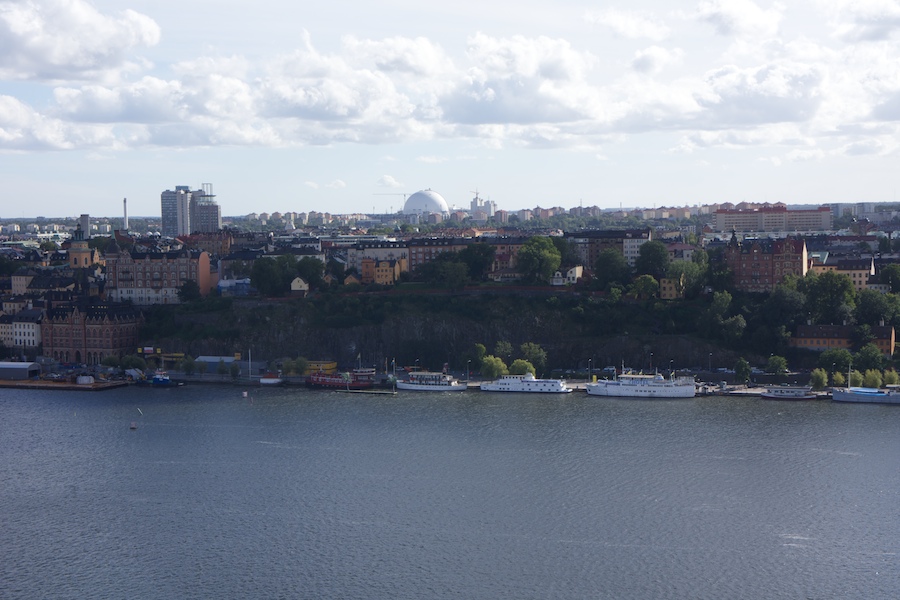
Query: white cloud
(68, 39)
(767, 94)
(629, 24)
(389, 182)
(337, 184)
(741, 18)
(311, 184)
(654, 59)
(432, 160)
(865, 20)
(523, 81)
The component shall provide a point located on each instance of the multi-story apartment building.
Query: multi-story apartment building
(176, 215)
(859, 270)
(589, 244)
(760, 265)
(771, 218)
(206, 215)
(377, 251)
(26, 329)
(215, 243)
(146, 278)
(423, 250)
(87, 332)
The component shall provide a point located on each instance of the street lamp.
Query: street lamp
(670, 366)
(710, 362)
(590, 369)
(651, 362)
(417, 365)
(467, 371)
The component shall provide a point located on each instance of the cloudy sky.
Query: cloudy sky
(344, 106)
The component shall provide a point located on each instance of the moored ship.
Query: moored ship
(526, 383)
(427, 381)
(643, 386)
(789, 392)
(357, 379)
(864, 394)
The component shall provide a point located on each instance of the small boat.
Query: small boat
(526, 383)
(271, 378)
(427, 381)
(160, 379)
(133, 425)
(788, 392)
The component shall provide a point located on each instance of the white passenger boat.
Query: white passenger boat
(526, 383)
(427, 381)
(643, 386)
(788, 392)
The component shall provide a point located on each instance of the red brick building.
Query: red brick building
(760, 265)
(89, 331)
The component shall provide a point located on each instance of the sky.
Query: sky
(347, 106)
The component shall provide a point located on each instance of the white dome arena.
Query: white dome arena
(425, 201)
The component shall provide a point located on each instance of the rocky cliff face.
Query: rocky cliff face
(276, 330)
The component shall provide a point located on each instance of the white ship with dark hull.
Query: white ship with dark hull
(526, 383)
(643, 386)
(426, 381)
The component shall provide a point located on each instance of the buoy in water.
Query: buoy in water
(133, 425)
(245, 394)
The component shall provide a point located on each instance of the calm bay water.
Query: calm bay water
(310, 494)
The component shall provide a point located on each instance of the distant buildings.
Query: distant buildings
(146, 278)
(771, 218)
(185, 212)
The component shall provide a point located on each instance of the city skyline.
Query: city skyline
(347, 107)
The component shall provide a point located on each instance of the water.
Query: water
(297, 494)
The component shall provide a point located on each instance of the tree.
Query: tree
(611, 267)
(537, 260)
(234, 370)
(520, 367)
(653, 259)
(830, 297)
(535, 355)
(818, 379)
(836, 359)
(891, 377)
(493, 367)
(222, 369)
(454, 275)
(188, 365)
(311, 270)
(272, 277)
(742, 370)
(872, 378)
(567, 253)
(776, 364)
(733, 328)
(874, 307)
(838, 379)
(478, 354)
(856, 378)
(201, 367)
(503, 349)
(189, 291)
(644, 287)
(110, 361)
(890, 274)
(301, 365)
(479, 258)
(869, 357)
(688, 277)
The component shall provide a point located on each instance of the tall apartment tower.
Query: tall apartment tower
(206, 216)
(176, 214)
(85, 222)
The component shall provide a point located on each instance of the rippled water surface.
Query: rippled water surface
(297, 494)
